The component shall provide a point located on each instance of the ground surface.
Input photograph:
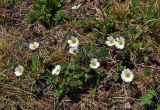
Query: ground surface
(93, 22)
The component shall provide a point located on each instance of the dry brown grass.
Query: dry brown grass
(34, 94)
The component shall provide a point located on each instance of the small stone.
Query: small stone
(127, 105)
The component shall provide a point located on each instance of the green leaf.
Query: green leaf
(2, 21)
(146, 98)
(89, 49)
(134, 47)
(76, 83)
(94, 91)
(101, 42)
(11, 64)
(120, 68)
(78, 24)
(149, 13)
(158, 107)
(138, 59)
(43, 11)
(57, 3)
(50, 80)
(109, 23)
(103, 53)
(95, 21)
(60, 15)
(135, 3)
(111, 101)
(35, 62)
(72, 65)
(116, 77)
(58, 93)
(31, 17)
(87, 77)
(10, 2)
(147, 73)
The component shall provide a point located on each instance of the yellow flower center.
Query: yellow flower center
(58, 70)
(120, 42)
(93, 63)
(111, 41)
(127, 75)
(73, 41)
(34, 46)
(20, 71)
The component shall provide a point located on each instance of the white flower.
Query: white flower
(76, 7)
(73, 50)
(94, 63)
(73, 42)
(19, 70)
(127, 75)
(120, 42)
(56, 70)
(34, 45)
(110, 41)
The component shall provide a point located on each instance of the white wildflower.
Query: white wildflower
(19, 70)
(73, 41)
(73, 50)
(34, 45)
(110, 41)
(56, 70)
(94, 63)
(120, 42)
(127, 75)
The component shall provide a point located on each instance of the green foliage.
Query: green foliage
(94, 21)
(78, 24)
(104, 25)
(108, 23)
(56, 3)
(134, 47)
(2, 21)
(87, 77)
(35, 62)
(147, 73)
(94, 91)
(134, 4)
(146, 59)
(50, 79)
(43, 12)
(97, 22)
(60, 15)
(11, 64)
(59, 91)
(101, 42)
(116, 77)
(70, 80)
(103, 53)
(120, 68)
(150, 12)
(111, 101)
(146, 98)
(89, 49)
(158, 107)
(154, 25)
(139, 59)
(86, 104)
(10, 3)
(31, 17)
